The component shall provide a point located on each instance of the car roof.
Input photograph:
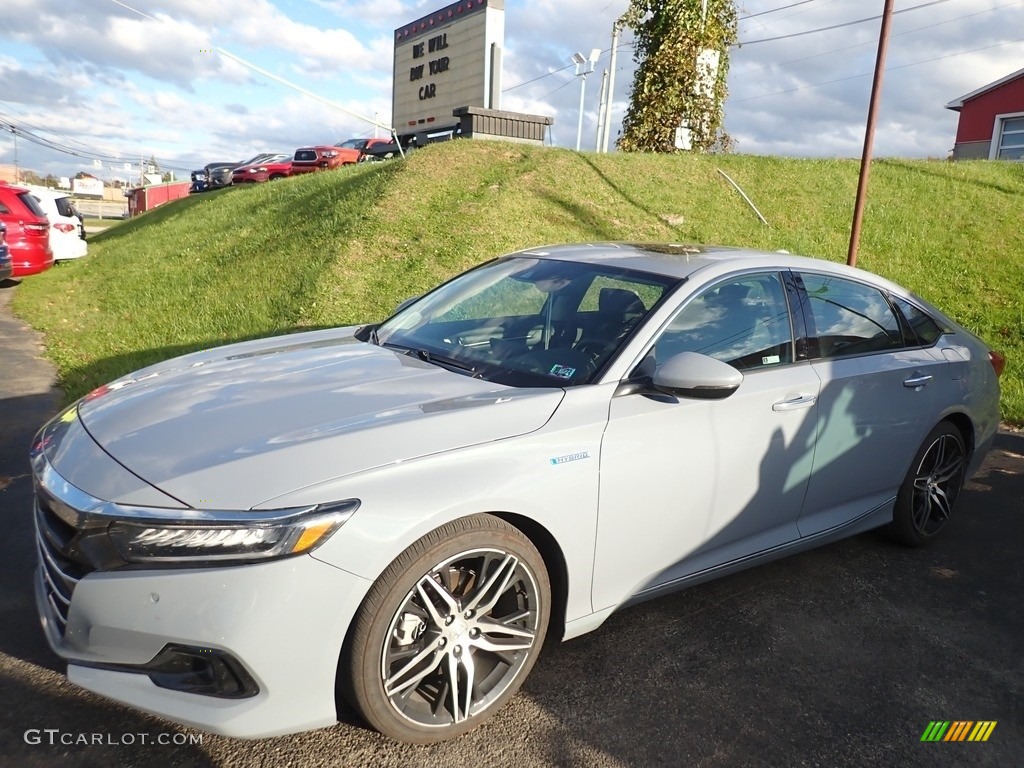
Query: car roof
(681, 260)
(51, 194)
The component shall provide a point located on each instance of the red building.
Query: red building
(991, 123)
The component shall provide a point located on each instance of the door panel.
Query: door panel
(870, 424)
(687, 484)
(877, 404)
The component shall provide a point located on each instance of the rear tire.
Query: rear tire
(928, 495)
(449, 632)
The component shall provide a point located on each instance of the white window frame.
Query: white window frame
(997, 134)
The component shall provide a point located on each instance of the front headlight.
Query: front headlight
(226, 537)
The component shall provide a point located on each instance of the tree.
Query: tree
(676, 82)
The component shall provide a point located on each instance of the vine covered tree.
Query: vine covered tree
(682, 53)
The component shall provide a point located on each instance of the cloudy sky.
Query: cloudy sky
(99, 78)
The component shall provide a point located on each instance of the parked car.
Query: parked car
(6, 265)
(361, 145)
(270, 169)
(219, 174)
(400, 512)
(198, 181)
(67, 231)
(28, 230)
(321, 158)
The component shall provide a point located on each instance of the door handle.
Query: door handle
(917, 380)
(801, 401)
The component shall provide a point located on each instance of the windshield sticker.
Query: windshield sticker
(562, 372)
(769, 360)
(570, 457)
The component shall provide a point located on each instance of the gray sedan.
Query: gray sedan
(398, 514)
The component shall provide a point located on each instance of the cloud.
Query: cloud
(99, 74)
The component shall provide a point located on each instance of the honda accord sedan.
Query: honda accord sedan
(397, 514)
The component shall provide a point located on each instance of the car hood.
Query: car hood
(236, 426)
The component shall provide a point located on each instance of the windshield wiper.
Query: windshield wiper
(435, 359)
(450, 362)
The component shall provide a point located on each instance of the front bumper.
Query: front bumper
(284, 622)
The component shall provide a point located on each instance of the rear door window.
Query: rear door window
(64, 207)
(850, 318)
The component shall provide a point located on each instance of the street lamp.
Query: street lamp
(584, 66)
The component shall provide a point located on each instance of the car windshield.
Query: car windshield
(527, 321)
(352, 144)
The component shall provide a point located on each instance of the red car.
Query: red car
(28, 231)
(270, 169)
(310, 159)
(361, 144)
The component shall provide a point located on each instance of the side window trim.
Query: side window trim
(805, 338)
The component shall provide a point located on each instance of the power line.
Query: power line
(868, 74)
(541, 77)
(831, 51)
(773, 10)
(86, 153)
(834, 26)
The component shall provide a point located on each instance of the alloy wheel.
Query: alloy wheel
(460, 637)
(937, 483)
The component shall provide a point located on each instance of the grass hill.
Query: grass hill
(345, 247)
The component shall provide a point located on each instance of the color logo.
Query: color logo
(958, 730)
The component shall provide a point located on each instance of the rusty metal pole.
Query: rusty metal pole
(869, 134)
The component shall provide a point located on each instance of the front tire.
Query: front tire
(449, 632)
(928, 496)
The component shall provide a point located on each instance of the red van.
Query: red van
(28, 231)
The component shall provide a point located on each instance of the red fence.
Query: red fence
(144, 199)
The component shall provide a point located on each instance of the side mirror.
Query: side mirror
(405, 304)
(690, 374)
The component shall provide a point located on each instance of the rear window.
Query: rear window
(64, 206)
(30, 202)
(305, 155)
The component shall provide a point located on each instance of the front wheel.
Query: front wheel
(449, 631)
(928, 496)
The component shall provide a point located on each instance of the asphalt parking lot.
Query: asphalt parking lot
(837, 657)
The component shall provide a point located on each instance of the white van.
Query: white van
(67, 234)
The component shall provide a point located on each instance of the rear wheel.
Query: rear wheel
(928, 496)
(449, 631)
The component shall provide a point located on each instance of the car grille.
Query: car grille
(59, 565)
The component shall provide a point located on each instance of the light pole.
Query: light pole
(584, 67)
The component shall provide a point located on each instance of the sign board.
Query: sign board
(91, 187)
(446, 60)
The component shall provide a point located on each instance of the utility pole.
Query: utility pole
(616, 31)
(869, 134)
(600, 112)
(17, 172)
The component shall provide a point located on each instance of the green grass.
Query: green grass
(345, 247)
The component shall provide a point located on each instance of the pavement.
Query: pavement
(837, 657)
